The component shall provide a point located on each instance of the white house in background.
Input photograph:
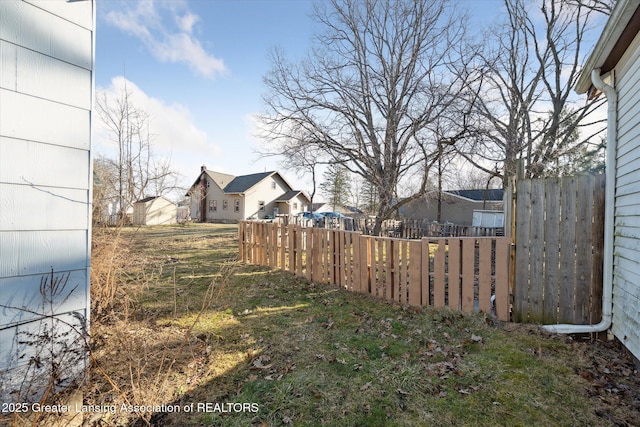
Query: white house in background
(46, 96)
(614, 67)
(154, 210)
(218, 197)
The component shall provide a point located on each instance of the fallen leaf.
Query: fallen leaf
(366, 386)
(476, 338)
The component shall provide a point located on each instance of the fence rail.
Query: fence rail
(461, 273)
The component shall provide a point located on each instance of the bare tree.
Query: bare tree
(298, 156)
(365, 95)
(135, 171)
(523, 98)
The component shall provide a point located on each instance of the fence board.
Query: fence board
(453, 280)
(583, 249)
(521, 280)
(502, 302)
(365, 274)
(468, 274)
(439, 274)
(551, 251)
(597, 236)
(536, 250)
(567, 250)
(484, 275)
(298, 240)
(394, 247)
(416, 277)
(403, 279)
(425, 267)
(308, 265)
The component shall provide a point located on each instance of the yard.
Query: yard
(208, 341)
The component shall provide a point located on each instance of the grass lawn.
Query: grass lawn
(239, 345)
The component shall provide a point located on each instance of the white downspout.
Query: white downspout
(607, 276)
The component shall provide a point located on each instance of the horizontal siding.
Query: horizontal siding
(626, 289)
(627, 195)
(80, 12)
(28, 162)
(626, 211)
(57, 124)
(72, 298)
(8, 77)
(25, 253)
(33, 28)
(46, 77)
(46, 72)
(26, 207)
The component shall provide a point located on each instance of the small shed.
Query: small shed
(155, 210)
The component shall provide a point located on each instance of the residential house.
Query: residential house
(218, 197)
(46, 96)
(154, 211)
(455, 206)
(614, 69)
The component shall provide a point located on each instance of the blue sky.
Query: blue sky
(196, 67)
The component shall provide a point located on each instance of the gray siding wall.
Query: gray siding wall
(626, 285)
(46, 89)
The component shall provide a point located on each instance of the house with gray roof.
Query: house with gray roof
(219, 197)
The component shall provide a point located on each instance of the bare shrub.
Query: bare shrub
(109, 257)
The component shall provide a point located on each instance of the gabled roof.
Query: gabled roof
(242, 183)
(230, 184)
(147, 199)
(289, 195)
(151, 198)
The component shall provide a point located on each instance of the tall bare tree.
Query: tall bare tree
(524, 105)
(367, 92)
(135, 171)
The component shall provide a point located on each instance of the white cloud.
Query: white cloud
(174, 135)
(168, 43)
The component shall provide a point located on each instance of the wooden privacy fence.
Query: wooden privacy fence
(461, 273)
(559, 241)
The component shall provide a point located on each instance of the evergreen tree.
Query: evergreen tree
(336, 185)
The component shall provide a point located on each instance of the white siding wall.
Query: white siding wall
(626, 288)
(46, 89)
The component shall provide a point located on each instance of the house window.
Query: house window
(236, 208)
(261, 206)
(208, 184)
(295, 206)
(273, 185)
(225, 205)
(213, 205)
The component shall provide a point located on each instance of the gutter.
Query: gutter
(607, 276)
